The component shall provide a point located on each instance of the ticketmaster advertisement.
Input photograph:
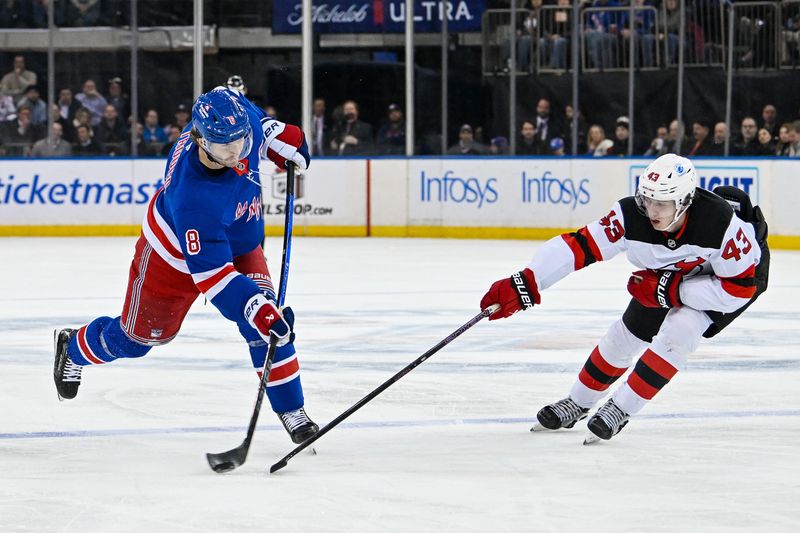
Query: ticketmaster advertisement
(77, 192)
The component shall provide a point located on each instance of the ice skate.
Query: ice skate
(66, 374)
(562, 414)
(299, 426)
(607, 422)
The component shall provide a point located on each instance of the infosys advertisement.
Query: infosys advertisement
(514, 193)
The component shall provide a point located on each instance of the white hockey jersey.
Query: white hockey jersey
(715, 250)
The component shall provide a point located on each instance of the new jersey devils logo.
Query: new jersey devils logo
(690, 266)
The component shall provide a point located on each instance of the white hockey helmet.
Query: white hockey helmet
(668, 178)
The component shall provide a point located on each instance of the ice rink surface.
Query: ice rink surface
(446, 449)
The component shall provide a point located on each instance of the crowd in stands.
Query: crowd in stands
(98, 123)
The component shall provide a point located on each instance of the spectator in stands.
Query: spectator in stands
(597, 143)
(765, 143)
(351, 136)
(85, 145)
(7, 108)
(622, 135)
(556, 33)
(498, 146)
(644, 24)
(466, 144)
(271, 110)
(557, 146)
(525, 34)
(391, 137)
(794, 139)
(145, 149)
(173, 132)
(83, 117)
(658, 146)
(747, 143)
(16, 14)
(676, 138)
(152, 132)
(601, 34)
(38, 107)
(672, 25)
(569, 114)
(67, 105)
(784, 144)
(546, 128)
(117, 97)
(702, 140)
(15, 82)
(181, 116)
(769, 120)
(790, 33)
(529, 143)
(53, 145)
(717, 146)
(67, 130)
(112, 133)
(320, 134)
(93, 101)
(17, 135)
(83, 12)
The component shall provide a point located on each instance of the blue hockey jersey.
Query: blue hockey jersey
(202, 218)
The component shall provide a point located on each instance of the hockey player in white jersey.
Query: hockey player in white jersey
(701, 266)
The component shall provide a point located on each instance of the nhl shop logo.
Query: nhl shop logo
(279, 185)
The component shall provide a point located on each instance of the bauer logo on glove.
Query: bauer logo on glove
(512, 294)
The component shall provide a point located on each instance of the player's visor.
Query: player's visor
(229, 154)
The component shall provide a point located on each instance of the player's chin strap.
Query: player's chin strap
(678, 218)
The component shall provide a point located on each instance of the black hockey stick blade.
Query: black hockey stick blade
(277, 466)
(383, 386)
(227, 461)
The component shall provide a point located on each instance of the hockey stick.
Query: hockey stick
(231, 459)
(385, 385)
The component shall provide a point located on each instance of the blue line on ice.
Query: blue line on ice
(373, 424)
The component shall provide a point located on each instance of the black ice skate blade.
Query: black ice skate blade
(538, 428)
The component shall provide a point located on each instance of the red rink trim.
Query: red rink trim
(284, 371)
(640, 387)
(658, 364)
(207, 284)
(158, 232)
(86, 352)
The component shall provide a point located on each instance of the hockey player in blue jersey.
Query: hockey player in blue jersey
(202, 235)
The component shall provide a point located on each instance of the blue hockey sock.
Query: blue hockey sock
(103, 341)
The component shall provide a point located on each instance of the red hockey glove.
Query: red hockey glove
(265, 317)
(656, 288)
(285, 143)
(513, 294)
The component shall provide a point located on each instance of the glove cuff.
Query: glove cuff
(524, 284)
(667, 293)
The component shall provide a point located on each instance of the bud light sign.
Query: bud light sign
(378, 16)
(709, 177)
